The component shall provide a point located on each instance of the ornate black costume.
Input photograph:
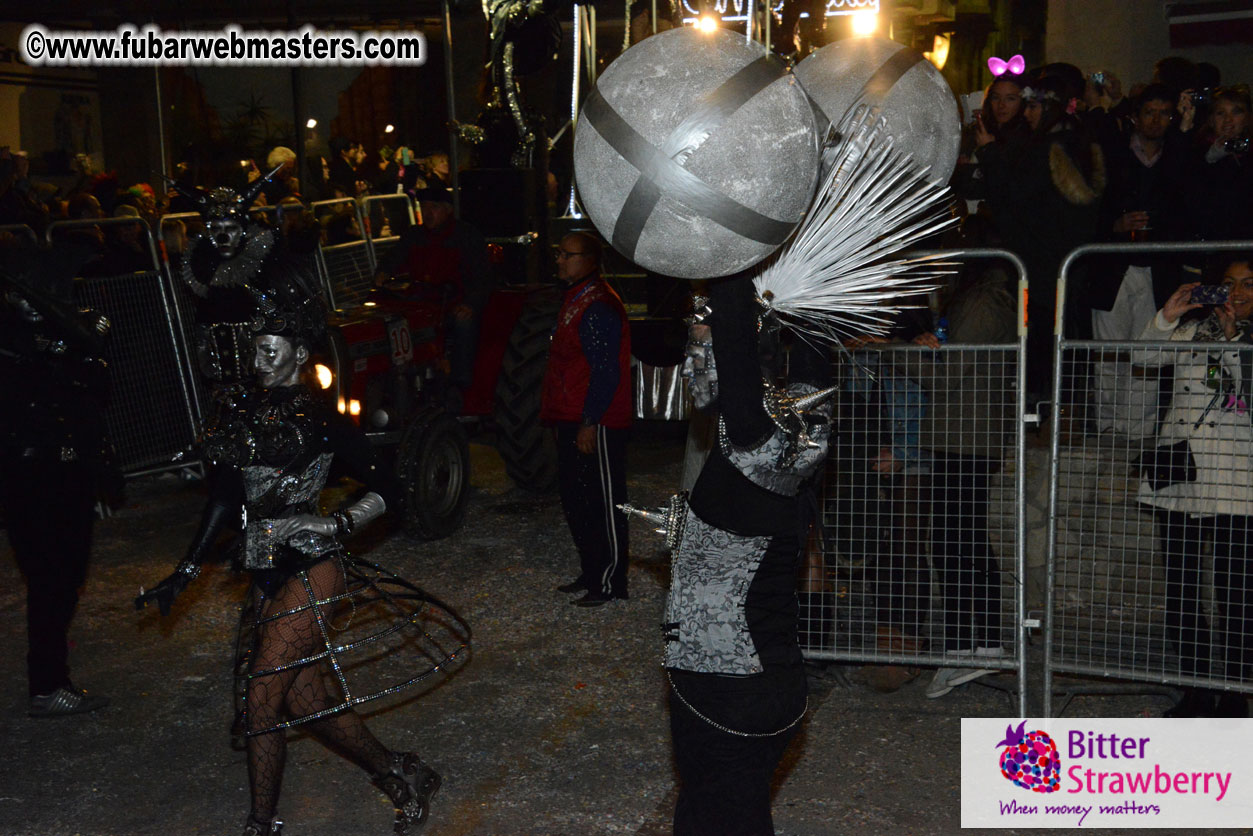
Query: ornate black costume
(274, 449)
(737, 684)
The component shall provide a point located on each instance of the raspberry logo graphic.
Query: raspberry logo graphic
(1030, 759)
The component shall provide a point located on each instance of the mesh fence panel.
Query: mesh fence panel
(389, 215)
(185, 305)
(383, 247)
(1153, 517)
(918, 510)
(349, 272)
(148, 416)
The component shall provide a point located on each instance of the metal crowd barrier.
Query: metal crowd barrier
(184, 304)
(910, 558)
(22, 230)
(347, 268)
(390, 215)
(153, 412)
(1137, 595)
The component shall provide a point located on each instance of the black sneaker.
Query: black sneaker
(596, 599)
(64, 701)
(572, 587)
(593, 599)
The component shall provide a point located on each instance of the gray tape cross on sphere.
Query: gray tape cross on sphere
(661, 169)
(877, 87)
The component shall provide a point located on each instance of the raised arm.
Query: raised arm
(733, 322)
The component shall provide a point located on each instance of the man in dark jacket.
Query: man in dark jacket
(1139, 199)
(53, 451)
(587, 398)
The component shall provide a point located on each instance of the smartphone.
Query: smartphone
(406, 156)
(1209, 294)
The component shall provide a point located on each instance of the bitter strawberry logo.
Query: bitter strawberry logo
(1030, 759)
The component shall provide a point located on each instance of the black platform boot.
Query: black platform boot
(410, 784)
(255, 827)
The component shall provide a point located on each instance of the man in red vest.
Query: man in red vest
(587, 399)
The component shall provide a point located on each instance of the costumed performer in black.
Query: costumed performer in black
(274, 453)
(55, 458)
(738, 689)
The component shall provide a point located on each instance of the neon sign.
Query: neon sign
(731, 10)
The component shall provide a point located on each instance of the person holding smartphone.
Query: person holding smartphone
(1215, 178)
(999, 119)
(1199, 481)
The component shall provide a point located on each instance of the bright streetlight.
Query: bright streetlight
(865, 23)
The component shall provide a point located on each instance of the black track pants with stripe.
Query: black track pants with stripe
(592, 485)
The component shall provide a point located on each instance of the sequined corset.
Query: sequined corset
(289, 493)
(274, 437)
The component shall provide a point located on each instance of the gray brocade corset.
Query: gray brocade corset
(288, 493)
(712, 569)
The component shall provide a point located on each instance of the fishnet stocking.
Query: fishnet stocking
(301, 691)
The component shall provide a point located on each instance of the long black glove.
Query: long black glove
(733, 321)
(214, 519)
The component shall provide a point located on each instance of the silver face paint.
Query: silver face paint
(699, 367)
(278, 361)
(227, 235)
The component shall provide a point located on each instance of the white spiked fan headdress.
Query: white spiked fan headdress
(841, 273)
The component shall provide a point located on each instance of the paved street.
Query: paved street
(556, 726)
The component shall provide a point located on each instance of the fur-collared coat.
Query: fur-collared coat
(1045, 200)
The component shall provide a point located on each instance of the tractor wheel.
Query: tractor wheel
(433, 466)
(527, 448)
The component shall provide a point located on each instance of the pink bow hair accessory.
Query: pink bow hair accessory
(1013, 66)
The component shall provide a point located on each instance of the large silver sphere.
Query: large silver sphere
(914, 99)
(696, 153)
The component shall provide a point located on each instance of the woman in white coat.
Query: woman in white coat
(1199, 480)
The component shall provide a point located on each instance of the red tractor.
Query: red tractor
(387, 370)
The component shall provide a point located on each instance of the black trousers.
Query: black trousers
(961, 552)
(1183, 537)
(725, 778)
(48, 510)
(592, 486)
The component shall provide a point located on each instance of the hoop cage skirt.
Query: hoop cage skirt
(379, 635)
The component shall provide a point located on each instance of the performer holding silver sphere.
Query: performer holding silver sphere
(737, 684)
(274, 452)
(738, 689)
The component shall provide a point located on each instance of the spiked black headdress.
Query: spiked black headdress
(224, 202)
(287, 306)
